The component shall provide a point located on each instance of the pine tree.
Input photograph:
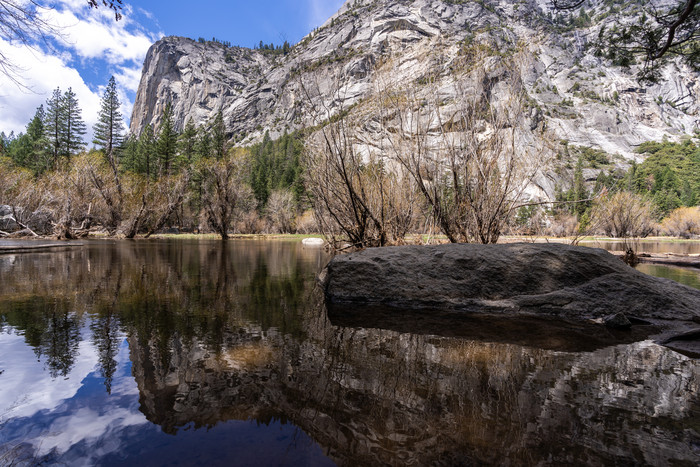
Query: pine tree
(579, 190)
(166, 146)
(29, 149)
(110, 126)
(74, 127)
(146, 151)
(38, 156)
(129, 154)
(218, 136)
(54, 125)
(203, 143)
(4, 144)
(188, 143)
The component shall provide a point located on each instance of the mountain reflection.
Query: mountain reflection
(222, 332)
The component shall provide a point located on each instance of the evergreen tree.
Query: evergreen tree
(106, 339)
(688, 197)
(218, 136)
(203, 143)
(276, 165)
(28, 148)
(37, 157)
(579, 190)
(188, 143)
(129, 154)
(146, 152)
(109, 128)
(74, 127)
(166, 146)
(54, 125)
(5, 142)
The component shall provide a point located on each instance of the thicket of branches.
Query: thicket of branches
(406, 157)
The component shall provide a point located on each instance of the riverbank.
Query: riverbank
(23, 246)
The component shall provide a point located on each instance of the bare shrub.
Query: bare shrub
(306, 222)
(464, 142)
(682, 222)
(224, 191)
(27, 199)
(280, 211)
(563, 225)
(358, 198)
(91, 176)
(250, 222)
(624, 214)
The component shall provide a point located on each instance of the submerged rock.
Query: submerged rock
(565, 281)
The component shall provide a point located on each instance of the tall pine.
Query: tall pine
(74, 127)
(188, 143)
(109, 129)
(54, 124)
(146, 152)
(166, 145)
(218, 136)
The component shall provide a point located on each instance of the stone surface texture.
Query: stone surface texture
(523, 278)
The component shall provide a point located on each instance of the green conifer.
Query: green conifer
(74, 127)
(109, 129)
(166, 146)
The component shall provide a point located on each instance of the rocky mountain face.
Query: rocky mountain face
(580, 98)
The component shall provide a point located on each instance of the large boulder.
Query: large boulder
(537, 279)
(7, 222)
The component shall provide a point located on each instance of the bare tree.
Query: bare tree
(280, 210)
(624, 214)
(223, 190)
(464, 141)
(358, 198)
(169, 194)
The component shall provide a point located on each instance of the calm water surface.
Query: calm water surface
(199, 353)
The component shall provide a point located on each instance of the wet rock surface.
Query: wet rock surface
(552, 280)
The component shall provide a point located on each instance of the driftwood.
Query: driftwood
(669, 259)
(36, 247)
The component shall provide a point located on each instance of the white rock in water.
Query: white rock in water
(313, 242)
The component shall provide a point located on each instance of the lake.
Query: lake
(194, 352)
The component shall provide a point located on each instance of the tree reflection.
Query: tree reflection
(239, 332)
(52, 330)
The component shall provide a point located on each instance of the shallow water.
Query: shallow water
(192, 353)
(685, 247)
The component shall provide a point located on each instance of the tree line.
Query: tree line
(460, 171)
(140, 184)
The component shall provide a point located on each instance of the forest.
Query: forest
(312, 181)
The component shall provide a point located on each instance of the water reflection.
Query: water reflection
(686, 276)
(677, 247)
(167, 352)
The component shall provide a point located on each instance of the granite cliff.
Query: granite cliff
(580, 97)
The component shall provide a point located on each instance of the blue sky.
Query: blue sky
(92, 46)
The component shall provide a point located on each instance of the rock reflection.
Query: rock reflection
(240, 333)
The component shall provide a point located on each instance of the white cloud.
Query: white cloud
(25, 381)
(128, 77)
(43, 73)
(99, 37)
(89, 39)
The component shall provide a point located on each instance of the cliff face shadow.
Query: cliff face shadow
(542, 332)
